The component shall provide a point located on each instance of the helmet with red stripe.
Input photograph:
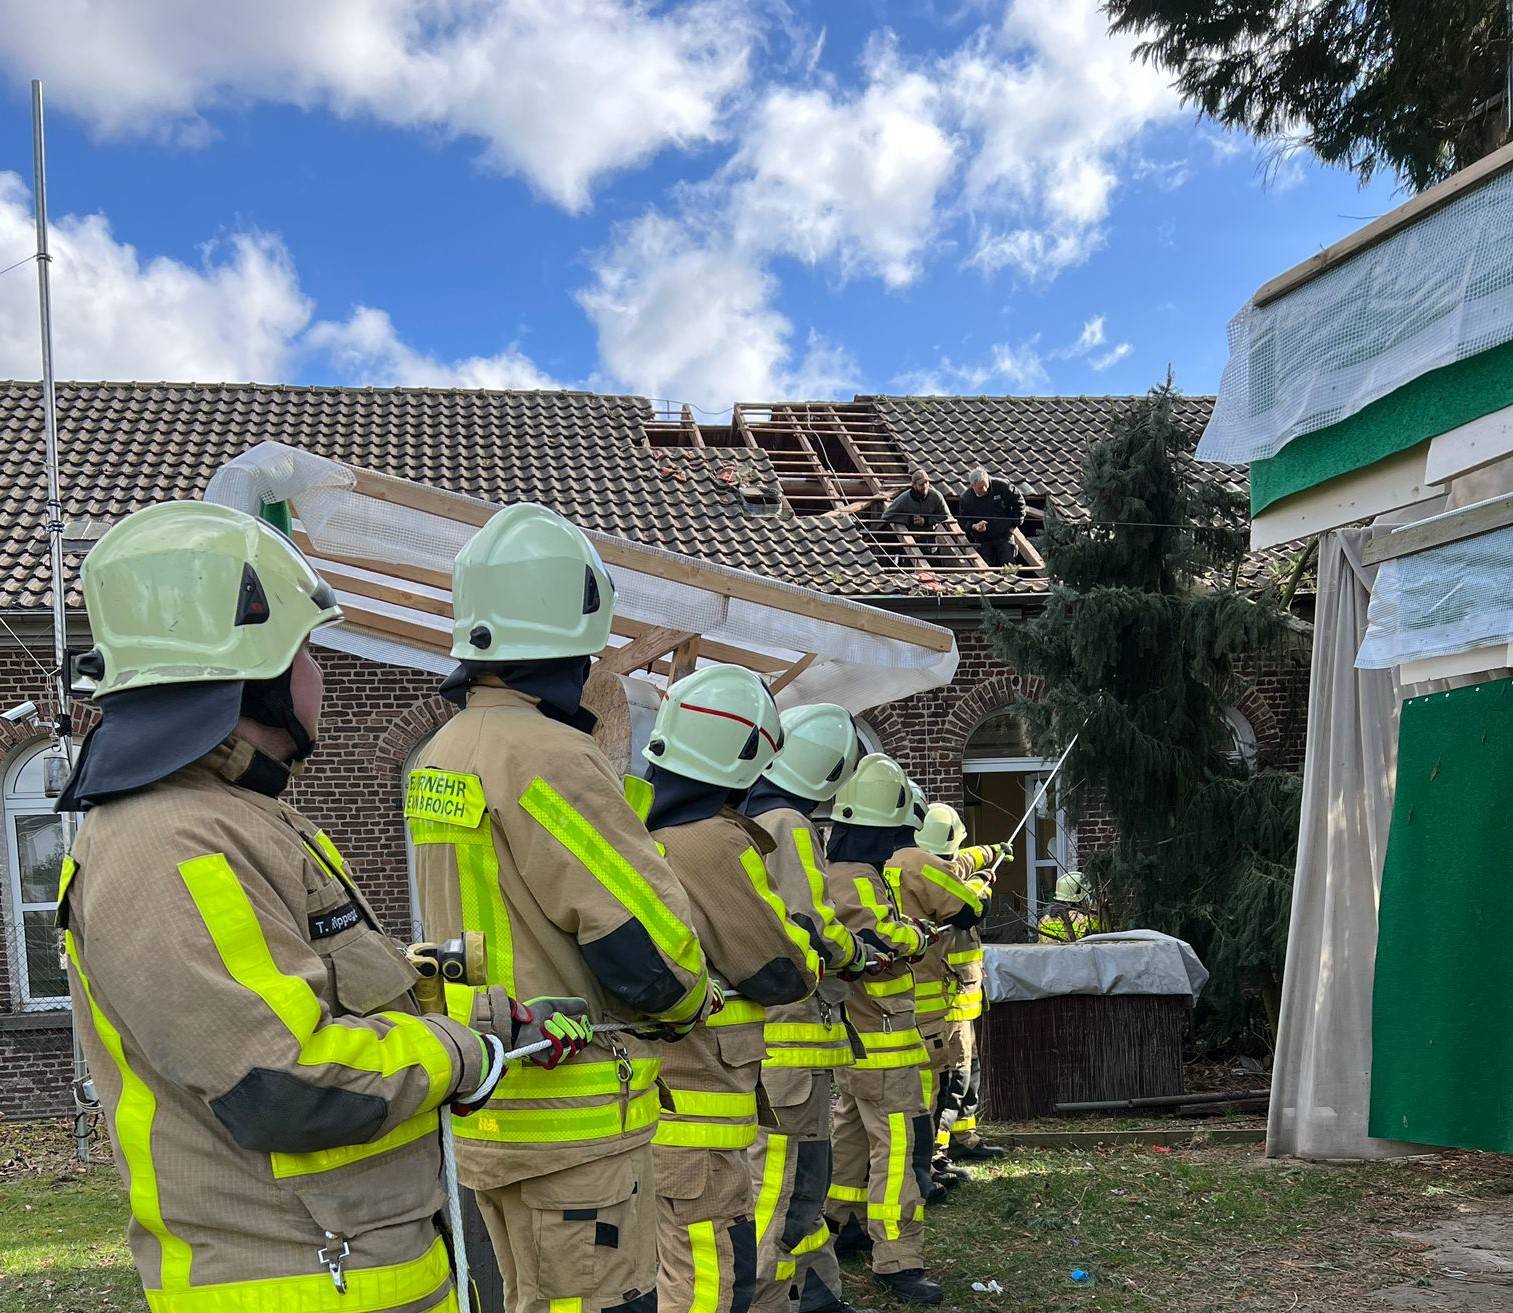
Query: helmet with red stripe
(718, 725)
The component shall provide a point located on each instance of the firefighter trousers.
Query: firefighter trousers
(790, 1172)
(874, 1180)
(581, 1240)
(705, 1233)
(957, 1122)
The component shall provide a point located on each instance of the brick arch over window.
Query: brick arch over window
(398, 740)
(84, 718)
(1252, 704)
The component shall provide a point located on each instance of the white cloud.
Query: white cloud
(365, 348)
(115, 315)
(1006, 368)
(1094, 335)
(855, 178)
(1054, 102)
(1111, 358)
(691, 319)
(559, 91)
(238, 315)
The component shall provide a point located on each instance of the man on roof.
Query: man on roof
(918, 506)
(989, 510)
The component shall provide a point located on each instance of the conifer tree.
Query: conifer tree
(1140, 648)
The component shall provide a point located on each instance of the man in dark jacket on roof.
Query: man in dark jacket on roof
(919, 508)
(989, 510)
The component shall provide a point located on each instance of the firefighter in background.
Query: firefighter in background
(714, 733)
(875, 1200)
(1070, 917)
(271, 1092)
(522, 830)
(930, 885)
(791, 1162)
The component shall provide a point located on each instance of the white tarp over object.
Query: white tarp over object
(1130, 962)
(1434, 292)
(854, 664)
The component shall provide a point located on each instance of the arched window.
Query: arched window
(416, 934)
(872, 741)
(1243, 733)
(34, 856)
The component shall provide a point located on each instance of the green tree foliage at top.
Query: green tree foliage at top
(1412, 86)
(1140, 648)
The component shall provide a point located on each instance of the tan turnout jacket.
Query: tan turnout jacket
(522, 831)
(250, 1031)
(938, 890)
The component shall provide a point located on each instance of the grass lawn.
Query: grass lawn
(1189, 1231)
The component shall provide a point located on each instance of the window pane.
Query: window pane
(39, 854)
(28, 782)
(45, 977)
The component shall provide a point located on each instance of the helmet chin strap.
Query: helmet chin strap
(270, 702)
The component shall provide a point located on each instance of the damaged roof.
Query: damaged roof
(127, 445)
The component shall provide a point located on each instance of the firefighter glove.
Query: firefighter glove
(562, 1022)
(494, 1068)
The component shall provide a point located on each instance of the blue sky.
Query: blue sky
(711, 201)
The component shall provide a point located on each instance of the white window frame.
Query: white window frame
(15, 806)
(1061, 855)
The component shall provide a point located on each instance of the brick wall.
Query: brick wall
(376, 715)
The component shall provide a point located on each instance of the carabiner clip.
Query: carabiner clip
(334, 1265)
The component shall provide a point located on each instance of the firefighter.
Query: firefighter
(875, 1200)
(1070, 917)
(714, 733)
(522, 830)
(791, 1162)
(928, 887)
(272, 1093)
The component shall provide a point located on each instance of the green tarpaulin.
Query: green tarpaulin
(1442, 1010)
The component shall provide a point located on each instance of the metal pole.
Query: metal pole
(63, 721)
(1045, 784)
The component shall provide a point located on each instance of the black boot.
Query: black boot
(852, 1239)
(977, 1152)
(912, 1286)
(943, 1171)
(840, 1306)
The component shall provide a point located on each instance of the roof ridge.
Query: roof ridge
(227, 385)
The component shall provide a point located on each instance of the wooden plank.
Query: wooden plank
(792, 673)
(346, 583)
(1386, 485)
(1470, 446)
(677, 569)
(1186, 1137)
(642, 651)
(1420, 207)
(1476, 662)
(763, 663)
(414, 574)
(1452, 527)
(439, 640)
(685, 658)
(1027, 552)
(851, 508)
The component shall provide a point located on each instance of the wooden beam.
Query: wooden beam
(852, 507)
(1027, 552)
(685, 658)
(1470, 446)
(1421, 206)
(642, 651)
(415, 574)
(346, 583)
(1389, 484)
(673, 567)
(425, 636)
(792, 673)
(761, 662)
(1440, 530)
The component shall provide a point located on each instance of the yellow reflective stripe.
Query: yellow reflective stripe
(756, 872)
(572, 1080)
(945, 880)
(369, 1289)
(505, 1125)
(483, 908)
(705, 1135)
(964, 1126)
(887, 1059)
(460, 1000)
(927, 1087)
(550, 810)
(227, 914)
(566, 1305)
(738, 1012)
(705, 1103)
(831, 930)
(848, 1194)
(965, 957)
(814, 1240)
(809, 1058)
(884, 988)
(774, 1164)
(887, 923)
(324, 1160)
(804, 1032)
(132, 1128)
(785, 1269)
(890, 1039)
(65, 878)
(640, 795)
(898, 1164)
(706, 1268)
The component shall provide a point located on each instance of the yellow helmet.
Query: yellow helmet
(1071, 888)
(942, 830)
(529, 586)
(719, 725)
(189, 592)
(877, 795)
(919, 805)
(820, 751)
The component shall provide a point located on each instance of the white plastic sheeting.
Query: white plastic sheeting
(853, 667)
(1436, 291)
(1131, 962)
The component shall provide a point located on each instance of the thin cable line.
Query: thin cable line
(22, 645)
(18, 264)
